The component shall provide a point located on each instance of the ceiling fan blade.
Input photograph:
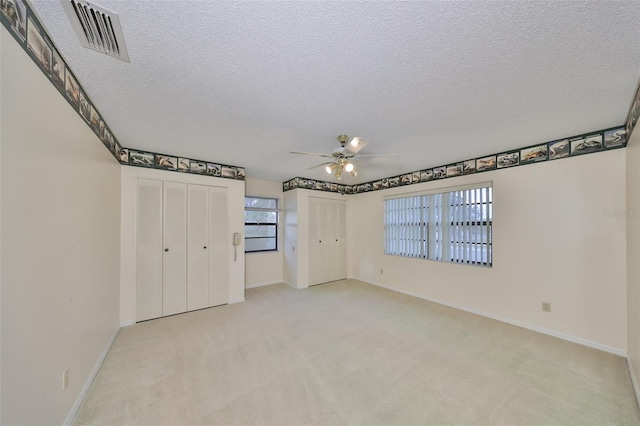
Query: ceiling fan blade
(319, 165)
(355, 145)
(311, 153)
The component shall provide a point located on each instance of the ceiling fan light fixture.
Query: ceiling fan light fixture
(329, 168)
(339, 173)
(349, 167)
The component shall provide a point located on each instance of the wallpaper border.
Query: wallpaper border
(586, 143)
(23, 24)
(634, 112)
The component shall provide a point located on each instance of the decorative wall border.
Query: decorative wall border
(634, 112)
(586, 143)
(22, 23)
(134, 157)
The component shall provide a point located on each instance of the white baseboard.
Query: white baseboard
(262, 284)
(127, 323)
(634, 381)
(232, 301)
(87, 384)
(570, 338)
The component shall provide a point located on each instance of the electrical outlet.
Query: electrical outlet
(65, 379)
(381, 271)
(546, 306)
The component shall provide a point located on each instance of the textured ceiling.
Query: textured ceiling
(244, 83)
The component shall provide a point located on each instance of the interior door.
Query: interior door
(174, 265)
(148, 249)
(197, 247)
(219, 242)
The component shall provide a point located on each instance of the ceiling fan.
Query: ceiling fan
(342, 157)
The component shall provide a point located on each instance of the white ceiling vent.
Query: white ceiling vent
(98, 29)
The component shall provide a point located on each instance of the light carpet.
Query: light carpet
(349, 353)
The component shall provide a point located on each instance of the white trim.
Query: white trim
(262, 284)
(127, 323)
(549, 332)
(633, 380)
(76, 406)
(232, 301)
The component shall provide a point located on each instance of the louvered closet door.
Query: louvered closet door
(337, 240)
(318, 241)
(219, 241)
(148, 249)
(174, 265)
(197, 247)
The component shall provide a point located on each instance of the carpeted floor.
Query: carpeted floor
(351, 353)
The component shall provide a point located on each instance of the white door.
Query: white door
(318, 241)
(148, 249)
(174, 265)
(197, 247)
(219, 243)
(337, 239)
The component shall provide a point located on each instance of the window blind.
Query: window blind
(453, 226)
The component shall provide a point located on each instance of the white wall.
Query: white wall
(296, 250)
(263, 268)
(552, 241)
(633, 254)
(128, 231)
(3, 39)
(60, 245)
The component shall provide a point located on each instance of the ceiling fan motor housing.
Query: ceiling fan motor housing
(340, 153)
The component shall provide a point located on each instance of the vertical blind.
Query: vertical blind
(452, 226)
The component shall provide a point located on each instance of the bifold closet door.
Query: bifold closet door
(148, 249)
(197, 247)
(318, 241)
(337, 239)
(174, 265)
(219, 241)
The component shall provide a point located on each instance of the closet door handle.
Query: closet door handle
(205, 247)
(166, 249)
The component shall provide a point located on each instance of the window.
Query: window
(450, 226)
(260, 224)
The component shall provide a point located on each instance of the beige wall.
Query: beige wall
(128, 231)
(552, 242)
(60, 245)
(633, 254)
(264, 268)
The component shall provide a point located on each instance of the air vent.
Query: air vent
(98, 29)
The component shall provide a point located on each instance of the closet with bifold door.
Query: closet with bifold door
(327, 240)
(182, 261)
